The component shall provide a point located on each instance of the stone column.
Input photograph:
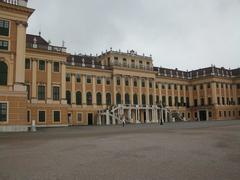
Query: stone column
(173, 95)
(94, 90)
(34, 80)
(20, 57)
(220, 94)
(49, 82)
(225, 93)
(104, 91)
(190, 88)
(166, 88)
(63, 84)
(154, 92)
(198, 95)
(229, 93)
(114, 90)
(178, 93)
(147, 114)
(205, 94)
(234, 89)
(140, 91)
(147, 95)
(131, 93)
(84, 100)
(184, 93)
(214, 93)
(73, 83)
(160, 92)
(123, 89)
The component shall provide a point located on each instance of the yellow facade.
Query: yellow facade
(54, 88)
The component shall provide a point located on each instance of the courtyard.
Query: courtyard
(186, 150)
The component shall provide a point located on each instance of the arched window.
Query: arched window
(118, 98)
(99, 98)
(127, 99)
(135, 99)
(151, 99)
(78, 98)
(3, 73)
(143, 99)
(108, 99)
(68, 97)
(89, 98)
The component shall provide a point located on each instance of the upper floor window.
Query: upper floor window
(118, 81)
(41, 92)
(108, 81)
(68, 77)
(238, 86)
(3, 73)
(150, 85)
(208, 85)
(89, 79)
(41, 65)
(4, 28)
(27, 64)
(56, 67)
(3, 45)
(135, 83)
(99, 81)
(143, 83)
(126, 82)
(78, 78)
(56, 93)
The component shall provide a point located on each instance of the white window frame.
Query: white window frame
(7, 120)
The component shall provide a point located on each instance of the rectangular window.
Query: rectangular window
(41, 65)
(56, 116)
(210, 114)
(4, 28)
(56, 67)
(41, 92)
(79, 117)
(108, 82)
(28, 116)
(89, 79)
(99, 81)
(118, 81)
(126, 82)
(78, 78)
(150, 85)
(3, 45)
(27, 64)
(28, 91)
(195, 102)
(135, 83)
(3, 111)
(218, 100)
(68, 77)
(41, 116)
(56, 92)
(209, 101)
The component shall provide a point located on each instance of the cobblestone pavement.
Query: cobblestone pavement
(182, 151)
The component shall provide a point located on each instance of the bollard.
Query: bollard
(33, 127)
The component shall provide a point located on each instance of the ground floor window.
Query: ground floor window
(41, 116)
(28, 116)
(56, 116)
(3, 111)
(210, 114)
(79, 117)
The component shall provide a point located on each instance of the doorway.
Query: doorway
(203, 115)
(69, 116)
(90, 119)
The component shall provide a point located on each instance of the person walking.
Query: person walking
(123, 122)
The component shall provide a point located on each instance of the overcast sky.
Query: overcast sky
(184, 34)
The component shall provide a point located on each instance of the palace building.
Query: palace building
(43, 83)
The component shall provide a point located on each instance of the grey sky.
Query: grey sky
(187, 34)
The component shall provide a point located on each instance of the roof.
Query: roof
(40, 40)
